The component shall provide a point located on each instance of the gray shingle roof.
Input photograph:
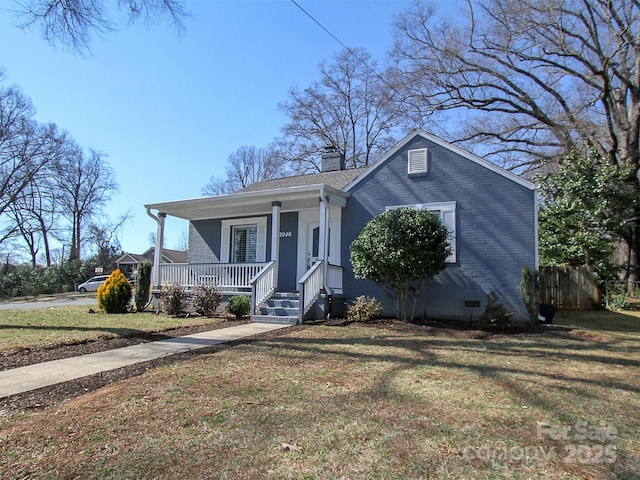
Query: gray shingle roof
(338, 179)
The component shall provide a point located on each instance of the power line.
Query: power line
(350, 50)
(321, 26)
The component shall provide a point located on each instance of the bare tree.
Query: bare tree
(103, 234)
(531, 80)
(73, 23)
(183, 241)
(245, 166)
(34, 218)
(351, 107)
(84, 183)
(27, 150)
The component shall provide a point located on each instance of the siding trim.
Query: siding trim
(447, 217)
(225, 240)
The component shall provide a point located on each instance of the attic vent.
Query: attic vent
(418, 164)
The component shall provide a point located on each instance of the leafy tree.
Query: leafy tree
(73, 23)
(585, 210)
(531, 80)
(245, 166)
(401, 250)
(351, 108)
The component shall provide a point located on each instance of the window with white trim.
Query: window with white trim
(245, 243)
(446, 212)
(243, 240)
(418, 161)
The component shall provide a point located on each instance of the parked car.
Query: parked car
(92, 284)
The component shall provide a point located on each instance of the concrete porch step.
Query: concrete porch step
(281, 308)
(283, 303)
(279, 319)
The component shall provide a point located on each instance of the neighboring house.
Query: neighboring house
(129, 262)
(293, 234)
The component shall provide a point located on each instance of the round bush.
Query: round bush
(114, 294)
(239, 306)
(364, 309)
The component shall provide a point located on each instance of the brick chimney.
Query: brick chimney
(332, 159)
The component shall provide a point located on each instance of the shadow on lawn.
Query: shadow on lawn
(502, 361)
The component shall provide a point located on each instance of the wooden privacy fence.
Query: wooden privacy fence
(569, 288)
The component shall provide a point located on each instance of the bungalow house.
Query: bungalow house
(128, 263)
(286, 241)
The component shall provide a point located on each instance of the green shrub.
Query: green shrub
(143, 285)
(401, 250)
(206, 299)
(495, 315)
(364, 309)
(173, 299)
(239, 305)
(530, 288)
(114, 294)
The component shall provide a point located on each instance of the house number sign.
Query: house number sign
(286, 234)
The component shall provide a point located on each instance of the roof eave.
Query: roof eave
(174, 208)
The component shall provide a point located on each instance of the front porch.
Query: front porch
(259, 281)
(258, 242)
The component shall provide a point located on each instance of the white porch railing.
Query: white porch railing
(310, 286)
(334, 278)
(227, 276)
(262, 286)
(313, 282)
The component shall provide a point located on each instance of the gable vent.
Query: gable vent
(418, 164)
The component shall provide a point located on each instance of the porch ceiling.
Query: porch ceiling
(250, 203)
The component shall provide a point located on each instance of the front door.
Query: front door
(309, 239)
(313, 243)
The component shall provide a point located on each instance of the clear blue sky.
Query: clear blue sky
(168, 110)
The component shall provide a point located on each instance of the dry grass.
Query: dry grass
(51, 326)
(357, 402)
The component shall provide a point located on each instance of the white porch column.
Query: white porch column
(323, 237)
(322, 222)
(275, 236)
(157, 255)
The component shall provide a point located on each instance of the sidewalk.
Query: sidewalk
(32, 377)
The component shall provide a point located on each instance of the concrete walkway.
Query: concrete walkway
(32, 377)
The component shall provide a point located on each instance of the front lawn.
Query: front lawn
(52, 326)
(359, 402)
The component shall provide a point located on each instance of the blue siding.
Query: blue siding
(287, 281)
(204, 246)
(495, 229)
(204, 241)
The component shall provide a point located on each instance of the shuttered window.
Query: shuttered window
(418, 161)
(243, 240)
